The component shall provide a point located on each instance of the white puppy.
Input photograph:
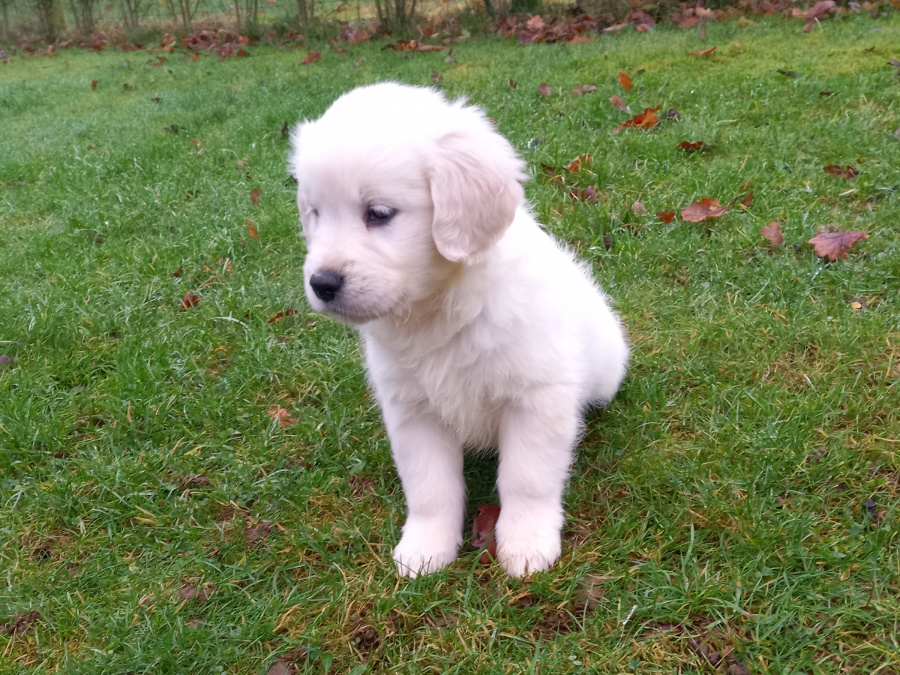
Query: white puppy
(480, 330)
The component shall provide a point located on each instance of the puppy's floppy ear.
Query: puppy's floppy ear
(476, 186)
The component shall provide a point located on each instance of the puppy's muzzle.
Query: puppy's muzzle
(326, 284)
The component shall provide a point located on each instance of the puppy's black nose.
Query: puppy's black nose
(326, 284)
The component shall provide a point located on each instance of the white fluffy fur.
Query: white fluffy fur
(480, 330)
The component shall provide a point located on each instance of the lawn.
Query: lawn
(208, 488)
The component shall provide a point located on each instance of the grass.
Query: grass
(742, 491)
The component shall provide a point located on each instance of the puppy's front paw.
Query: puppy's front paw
(426, 547)
(526, 545)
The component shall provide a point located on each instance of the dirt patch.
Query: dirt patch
(21, 623)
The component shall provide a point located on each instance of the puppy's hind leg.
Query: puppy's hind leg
(430, 463)
(536, 444)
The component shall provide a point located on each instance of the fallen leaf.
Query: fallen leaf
(195, 481)
(483, 532)
(177, 273)
(826, 94)
(201, 594)
(242, 54)
(617, 103)
(251, 230)
(588, 194)
(818, 11)
(282, 666)
(584, 89)
(748, 200)
(578, 163)
(311, 57)
(437, 76)
(431, 48)
(645, 120)
(642, 28)
(615, 28)
(579, 39)
(702, 52)
(834, 245)
(639, 209)
(254, 197)
(357, 37)
(513, 84)
(692, 146)
(21, 623)
(282, 416)
(189, 300)
(156, 99)
(666, 216)
(672, 114)
(703, 210)
(625, 81)
(772, 233)
(258, 533)
(545, 89)
(281, 315)
(838, 172)
(535, 24)
(94, 84)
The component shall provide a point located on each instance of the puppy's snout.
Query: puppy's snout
(326, 284)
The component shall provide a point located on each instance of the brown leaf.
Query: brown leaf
(625, 81)
(404, 45)
(535, 24)
(834, 245)
(645, 120)
(21, 623)
(748, 200)
(194, 481)
(483, 532)
(576, 164)
(94, 84)
(579, 39)
(282, 416)
(545, 89)
(894, 62)
(281, 315)
(258, 533)
(703, 210)
(617, 103)
(642, 28)
(255, 194)
(818, 11)
(189, 300)
(826, 94)
(242, 54)
(201, 594)
(513, 84)
(845, 173)
(312, 57)
(772, 233)
(584, 89)
(588, 194)
(702, 52)
(666, 216)
(437, 76)
(282, 666)
(357, 37)
(692, 146)
(432, 48)
(251, 230)
(639, 209)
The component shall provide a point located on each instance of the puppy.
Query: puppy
(480, 330)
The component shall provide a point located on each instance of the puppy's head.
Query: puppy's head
(398, 189)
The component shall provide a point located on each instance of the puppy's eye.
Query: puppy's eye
(379, 215)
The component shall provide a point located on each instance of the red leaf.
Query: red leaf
(254, 197)
(834, 245)
(772, 233)
(483, 532)
(625, 81)
(251, 230)
(312, 57)
(576, 164)
(282, 416)
(513, 84)
(584, 89)
(94, 84)
(545, 89)
(281, 315)
(617, 103)
(690, 146)
(588, 194)
(666, 216)
(645, 120)
(845, 173)
(357, 37)
(242, 54)
(189, 300)
(702, 52)
(703, 210)
(177, 273)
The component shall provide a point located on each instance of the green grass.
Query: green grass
(724, 491)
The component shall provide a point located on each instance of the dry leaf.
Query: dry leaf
(772, 233)
(513, 84)
(845, 173)
(357, 37)
(254, 197)
(617, 103)
(256, 534)
(281, 315)
(702, 52)
(818, 11)
(588, 194)
(703, 210)
(579, 39)
(690, 146)
(645, 120)
(483, 532)
(189, 300)
(312, 57)
(584, 89)
(666, 216)
(639, 209)
(545, 89)
(834, 245)
(578, 163)
(251, 230)
(625, 81)
(748, 200)
(94, 84)
(282, 416)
